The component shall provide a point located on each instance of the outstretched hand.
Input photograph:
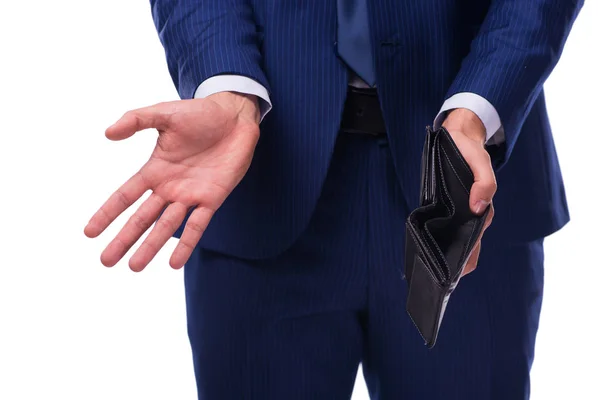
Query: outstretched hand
(468, 132)
(203, 150)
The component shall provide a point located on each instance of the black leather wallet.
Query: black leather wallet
(441, 233)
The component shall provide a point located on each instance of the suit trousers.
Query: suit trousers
(297, 326)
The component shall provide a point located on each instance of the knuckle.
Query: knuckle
(104, 215)
(186, 245)
(122, 198)
(188, 197)
(195, 226)
(122, 244)
(165, 223)
(489, 188)
(141, 223)
(169, 112)
(494, 185)
(145, 179)
(132, 115)
(152, 246)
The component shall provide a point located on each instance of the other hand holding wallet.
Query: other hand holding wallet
(441, 233)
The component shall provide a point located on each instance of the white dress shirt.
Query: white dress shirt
(471, 101)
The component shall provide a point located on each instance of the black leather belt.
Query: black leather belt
(362, 113)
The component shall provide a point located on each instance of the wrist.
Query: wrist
(246, 106)
(467, 122)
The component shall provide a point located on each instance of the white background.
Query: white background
(71, 329)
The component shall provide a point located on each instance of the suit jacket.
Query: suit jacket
(424, 52)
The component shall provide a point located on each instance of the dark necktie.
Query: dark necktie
(353, 41)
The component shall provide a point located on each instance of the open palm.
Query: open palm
(204, 149)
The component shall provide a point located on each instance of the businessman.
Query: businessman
(289, 166)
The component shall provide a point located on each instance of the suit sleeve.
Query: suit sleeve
(518, 45)
(205, 38)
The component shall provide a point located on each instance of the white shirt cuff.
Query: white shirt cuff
(481, 107)
(236, 83)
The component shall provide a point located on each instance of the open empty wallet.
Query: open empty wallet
(441, 233)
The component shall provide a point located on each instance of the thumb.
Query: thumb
(156, 116)
(484, 187)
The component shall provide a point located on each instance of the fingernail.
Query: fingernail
(480, 206)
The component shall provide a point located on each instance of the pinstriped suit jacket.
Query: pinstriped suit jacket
(424, 52)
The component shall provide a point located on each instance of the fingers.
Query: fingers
(120, 200)
(164, 228)
(138, 223)
(489, 218)
(156, 116)
(468, 132)
(484, 188)
(194, 228)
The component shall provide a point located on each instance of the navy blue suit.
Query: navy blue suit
(296, 280)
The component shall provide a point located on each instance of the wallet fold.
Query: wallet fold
(441, 233)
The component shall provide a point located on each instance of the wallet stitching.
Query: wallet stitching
(471, 241)
(410, 316)
(435, 245)
(468, 244)
(460, 156)
(425, 264)
(432, 240)
(465, 247)
(418, 329)
(425, 169)
(450, 212)
(437, 314)
(453, 169)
